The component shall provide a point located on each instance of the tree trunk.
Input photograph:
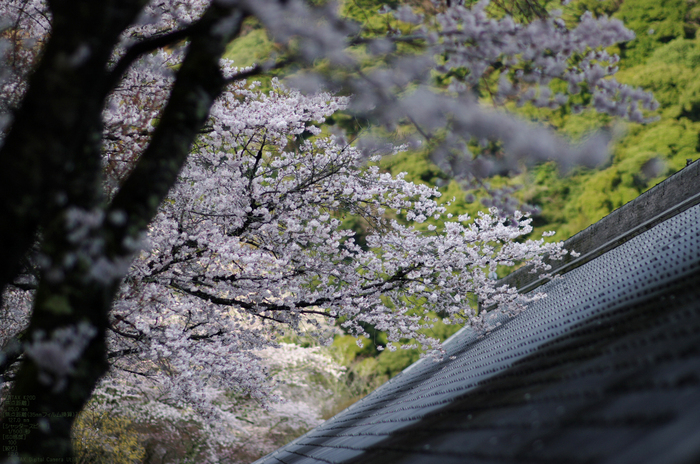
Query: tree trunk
(53, 176)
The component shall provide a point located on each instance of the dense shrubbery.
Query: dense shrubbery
(101, 436)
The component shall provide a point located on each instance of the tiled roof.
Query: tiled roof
(606, 369)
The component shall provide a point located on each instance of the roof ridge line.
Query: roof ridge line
(663, 201)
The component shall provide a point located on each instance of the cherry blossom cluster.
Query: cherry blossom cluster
(159, 17)
(251, 243)
(302, 377)
(534, 54)
(23, 25)
(131, 111)
(500, 59)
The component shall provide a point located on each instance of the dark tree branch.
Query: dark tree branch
(126, 334)
(122, 353)
(121, 368)
(256, 309)
(206, 336)
(25, 285)
(257, 70)
(137, 50)
(63, 104)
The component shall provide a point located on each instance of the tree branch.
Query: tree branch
(134, 52)
(207, 336)
(255, 309)
(63, 104)
(199, 82)
(121, 353)
(257, 70)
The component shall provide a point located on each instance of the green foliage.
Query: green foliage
(646, 154)
(365, 12)
(671, 73)
(683, 52)
(99, 436)
(250, 49)
(346, 350)
(416, 165)
(597, 7)
(655, 22)
(368, 365)
(391, 363)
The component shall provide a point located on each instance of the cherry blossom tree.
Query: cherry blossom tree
(162, 216)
